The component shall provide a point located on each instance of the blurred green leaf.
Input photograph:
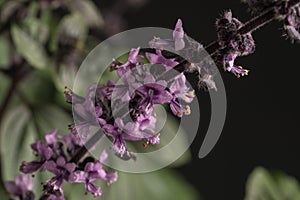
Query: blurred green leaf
(73, 26)
(65, 77)
(38, 89)
(17, 134)
(30, 49)
(88, 10)
(264, 185)
(4, 53)
(3, 193)
(38, 30)
(4, 83)
(1, 2)
(8, 9)
(49, 117)
(12, 129)
(160, 185)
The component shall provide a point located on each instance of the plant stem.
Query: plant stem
(84, 150)
(255, 23)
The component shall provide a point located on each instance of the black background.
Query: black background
(263, 109)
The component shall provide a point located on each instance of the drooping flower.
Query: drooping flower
(179, 90)
(228, 63)
(21, 187)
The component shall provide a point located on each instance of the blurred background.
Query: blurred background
(42, 44)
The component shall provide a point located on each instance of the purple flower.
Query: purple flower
(104, 92)
(228, 63)
(133, 61)
(176, 43)
(21, 187)
(62, 171)
(89, 112)
(93, 171)
(180, 90)
(153, 92)
(44, 151)
(158, 58)
(178, 35)
(133, 131)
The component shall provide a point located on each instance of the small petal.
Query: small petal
(12, 188)
(92, 188)
(30, 167)
(103, 156)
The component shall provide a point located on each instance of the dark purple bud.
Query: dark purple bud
(229, 39)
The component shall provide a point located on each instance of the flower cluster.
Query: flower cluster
(124, 111)
(55, 155)
(232, 43)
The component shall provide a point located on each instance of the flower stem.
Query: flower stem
(89, 144)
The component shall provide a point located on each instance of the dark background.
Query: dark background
(262, 119)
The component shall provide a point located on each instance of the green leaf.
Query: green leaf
(4, 52)
(31, 50)
(88, 10)
(160, 185)
(265, 185)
